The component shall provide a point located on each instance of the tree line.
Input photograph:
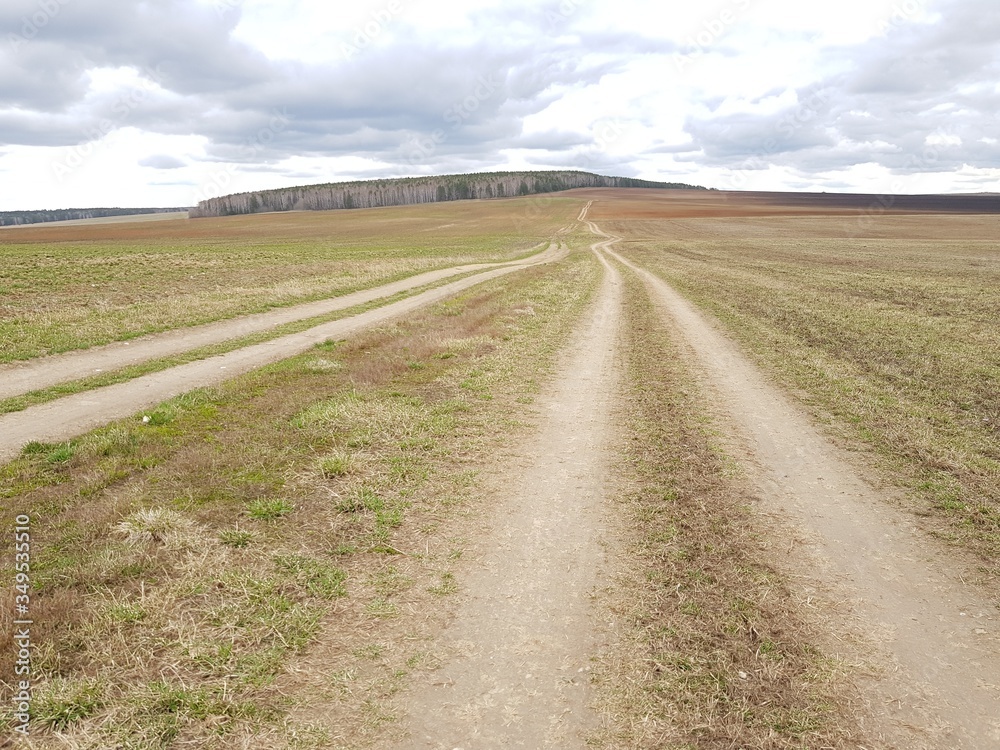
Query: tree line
(15, 218)
(410, 190)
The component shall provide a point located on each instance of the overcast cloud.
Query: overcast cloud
(121, 102)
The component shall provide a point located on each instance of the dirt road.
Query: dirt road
(67, 417)
(515, 660)
(938, 637)
(17, 378)
(516, 671)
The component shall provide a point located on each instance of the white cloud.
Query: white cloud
(157, 104)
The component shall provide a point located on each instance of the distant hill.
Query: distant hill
(15, 218)
(409, 190)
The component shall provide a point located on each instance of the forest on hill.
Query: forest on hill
(410, 190)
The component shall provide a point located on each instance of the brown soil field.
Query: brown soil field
(721, 474)
(394, 221)
(665, 204)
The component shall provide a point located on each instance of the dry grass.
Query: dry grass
(713, 652)
(64, 288)
(890, 339)
(278, 541)
(44, 395)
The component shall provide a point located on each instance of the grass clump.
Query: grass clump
(61, 453)
(159, 525)
(269, 509)
(60, 703)
(236, 538)
(334, 466)
(318, 578)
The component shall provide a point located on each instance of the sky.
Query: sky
(168, 102)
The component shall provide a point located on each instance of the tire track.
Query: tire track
(70, 416)
(904, 591)
(516, 670)
(17, 378)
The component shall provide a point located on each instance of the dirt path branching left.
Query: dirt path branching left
(183, 564)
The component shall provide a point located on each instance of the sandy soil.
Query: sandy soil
(841, 542)
(517, 656)
(67, 417)
(21, 377)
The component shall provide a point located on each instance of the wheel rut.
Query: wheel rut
(67, 417)
(17, 378)
(517, 657)
(935, 637)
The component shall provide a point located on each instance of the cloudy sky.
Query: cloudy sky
(167, 102)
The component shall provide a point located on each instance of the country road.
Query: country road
(17, 378)
(519, 653)
(939, 636)
(515, 650)
(67, 417)
(933, 637)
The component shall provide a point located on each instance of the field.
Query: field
(70, 287)
(889, 337)
(532, 511)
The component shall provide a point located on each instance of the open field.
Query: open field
(63, 418)
(38, 381)
(889, 338)
(72, 287)
(124, 219)
(534, 511)
(324, 467)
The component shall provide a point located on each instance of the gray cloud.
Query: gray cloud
(917, 100)
(162, 161)
(203, 81)
(188, 40)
